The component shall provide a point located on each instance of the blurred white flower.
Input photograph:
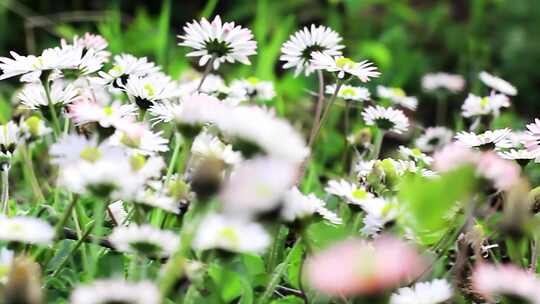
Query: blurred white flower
(9, 139)
(434, 138)
(25, 229)
(33, 96)
(137, 138)
(297, 51)
(145, 91)
(116, 291)
(489, 105)
(497, 84)
(145, 240)
(33, 127)
(106, 116)
(231, 234)
(297, 205)
(349, 92)
(351, 192)
(6, 260)
(124, 66)
(218, 42)
(451, 82)
(397, 96)
(491, 139)
(433, 292)
(207, 146)
(255, 88)
(415, 154)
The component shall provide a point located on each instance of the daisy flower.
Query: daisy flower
(352, 193)
(450, 82)
(510, 281)
(257, 185)
(210, 146)
(364, 70)
(297, 205)
(497, 84)
(433, 139)
(189, 84)
(356, 267)
(489, 105)
(387, 119)
(124, 66)
(145, 240)
(118, 214)
(231, 234)
(24, 229)
(363, 168)
(147, 90)
(233, 95)
(296, 52)
(218, 42)
(397, 96)
(91, 41)
(72, 148)
(434, 292)
(489, 140)
(379, 212)
(415, 154)
(138, 138)
(6, 260)
(520, 155)
(532, 141)
(157, 199)
(349, 92)
(33, 127)
(33, 96)
(255, 88)
(116, 291)
(9, 138)
(105, 116)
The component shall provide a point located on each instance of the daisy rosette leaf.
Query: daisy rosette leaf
(234, 234)
(343, 66)
(386, 119)
(432, 292)
(145, 240)
(296, 52)
(452, 83)
(398, 97)
(27, 230)
(424, 209)
(116, 291)
(218, 42)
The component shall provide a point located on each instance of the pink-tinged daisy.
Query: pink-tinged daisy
(84, 112)
(507, 281)
(357, 267)
(532, 140)
(489, 140)
(488, 105)
(364, 70)
(433, 139)
(218, 42)
(434, 292)
(297, 51)
(450, 82)
(497, 84)
(386, 119)
(397, 96)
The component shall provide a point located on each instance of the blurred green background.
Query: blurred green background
(406, 39)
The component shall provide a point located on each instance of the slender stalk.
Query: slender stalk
(318, 109)
(99, 216)
(55, 121)
(377, 144)
(5, 187)
(65, 215)
(441, 109)
(326, 111)
(174, 157)
(207, 70)
(27, 159)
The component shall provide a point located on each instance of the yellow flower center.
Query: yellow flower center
(132, 142)
(108, 110)
(230, 235)
(91, 154)
(253, 80)
(137, 162)
(398, 92)
(33, 124)
(348, 91)
(359, 194)
(344, 62)
(484, 102)
(149, 89)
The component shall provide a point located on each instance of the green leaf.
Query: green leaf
(427, 203)
(288, 300)
(295, 266)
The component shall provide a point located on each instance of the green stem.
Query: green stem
(27, 159)
(55, 121)
(326, 112)
(278, 273)
(318, 109)
(207, 70)
(78, 244)
(5, 187)
(377, 144)
(59, 227)
(99, 216)
(441, 109)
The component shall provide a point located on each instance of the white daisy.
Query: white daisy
(433, 139)
(25, 229)
(125, 65)
(190, 83)
(297, 51)
(297, 205)
(450, 82)
(255, 88)
(489, 105)
(517, 154)
(351, 192)
(488, 140)
(497, 84)
(91, 41)
(6, 260)
(144, 239)
(116, 291)
(363, 168)
(233, 95)
(379, 212)
(415, 154)
(33, 127)
(231, 234)
(106, 116)
(364, 70)
(9, 138)
(33, 96)
(118, 214)
(138, 138)
(387, 119)
(72, 148)
(147, 90)
(349, 92)
(218, 42)
(257, 185)
(434, 292)
(155, 198)
(397, 96)
(207, 146)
